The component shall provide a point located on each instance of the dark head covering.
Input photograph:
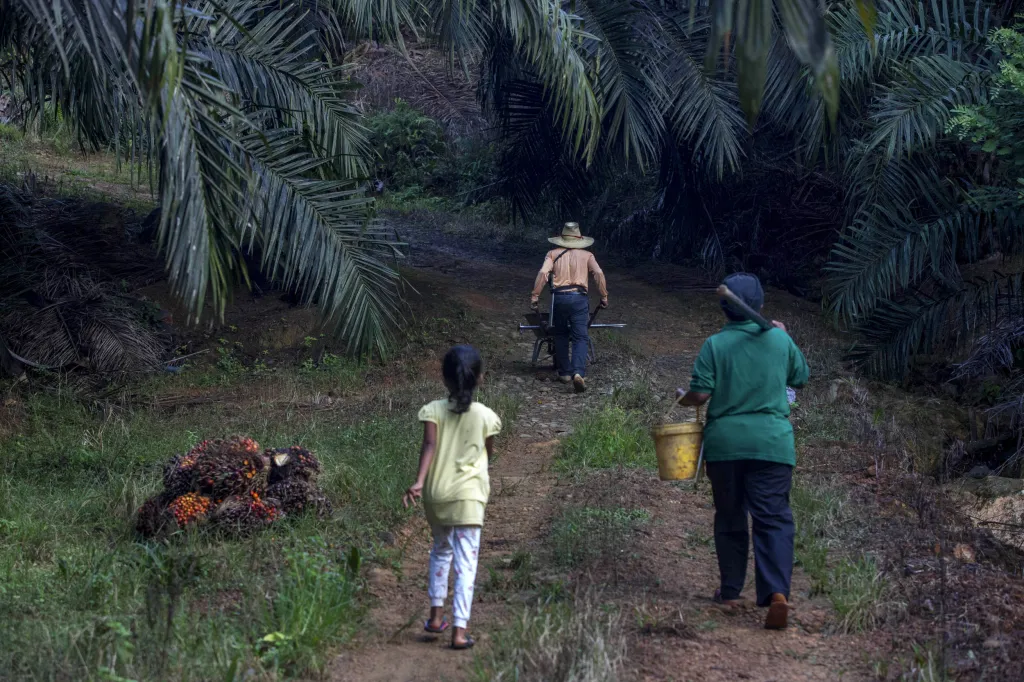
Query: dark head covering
(748, 288)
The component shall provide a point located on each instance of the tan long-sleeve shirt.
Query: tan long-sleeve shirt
(572, 269)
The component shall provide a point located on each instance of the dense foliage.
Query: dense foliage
(242, 112)
(716, 131)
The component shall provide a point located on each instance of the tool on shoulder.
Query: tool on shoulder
(751, 314)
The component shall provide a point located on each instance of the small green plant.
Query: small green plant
(607, 438)
(227, 362)
(556, 642)
(583, 535)
(9, 133)
(516, 576)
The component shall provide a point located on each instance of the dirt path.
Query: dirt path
(673, 569)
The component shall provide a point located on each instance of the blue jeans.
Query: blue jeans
(761, 489)
(572, 312)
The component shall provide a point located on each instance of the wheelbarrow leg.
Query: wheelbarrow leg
(593, 351)
(537, 345)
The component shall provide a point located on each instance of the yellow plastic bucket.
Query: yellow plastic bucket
(678, 449)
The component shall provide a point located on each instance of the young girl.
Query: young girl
(458, 435)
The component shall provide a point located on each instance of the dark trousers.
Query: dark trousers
(761, 489)
(572, 312)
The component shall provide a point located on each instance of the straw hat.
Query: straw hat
(572, 238)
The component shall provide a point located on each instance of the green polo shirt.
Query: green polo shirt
(746, 371)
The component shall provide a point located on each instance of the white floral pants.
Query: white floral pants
(461, 544)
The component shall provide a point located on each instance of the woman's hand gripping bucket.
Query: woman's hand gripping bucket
(679, 447)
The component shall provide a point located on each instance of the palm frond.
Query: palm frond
(702, 111)
(628, 76)
(945, 320)
(321, 236)
(233, 102)
(887, 251)
(913, 112)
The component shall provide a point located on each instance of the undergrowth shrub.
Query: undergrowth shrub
(560, 642)
(409, 145)
(583, 534)
(607, 438)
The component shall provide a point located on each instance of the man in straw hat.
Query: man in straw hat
(744, 371)
(568, 269)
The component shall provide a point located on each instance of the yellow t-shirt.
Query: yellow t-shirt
(457, 485)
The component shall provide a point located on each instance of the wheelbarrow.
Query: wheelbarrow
(540, 324)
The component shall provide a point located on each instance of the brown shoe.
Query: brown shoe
(729, 605)
(579, 384)
(565, 378)
(778, 613)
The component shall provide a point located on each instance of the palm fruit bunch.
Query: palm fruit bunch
(154, 515)
(180, 472)
(245, 513)
(232, 483)
(295, 495)
(232, 466)
(189, 508)
(295, 462)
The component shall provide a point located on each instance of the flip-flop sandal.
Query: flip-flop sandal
(468, 645)
(435, 631)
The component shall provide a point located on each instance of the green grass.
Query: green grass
(583, 535)
(606, 438)
(82, 598)
(861, 594)
(819, 512)
(55, 157)
(315, 607)
(569, 641)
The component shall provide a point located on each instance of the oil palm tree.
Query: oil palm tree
(920, 205)
(241, 111)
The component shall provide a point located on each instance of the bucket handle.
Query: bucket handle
(675, 403)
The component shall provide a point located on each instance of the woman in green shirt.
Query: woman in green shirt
(742, 373)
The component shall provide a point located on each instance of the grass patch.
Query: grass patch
(315, 607)
(819, 512)
(861, 596)
(507, 406)
(607, 438)
(515, 575)
(560, 642)
(582, 535)
(81, 598)
(860, 593)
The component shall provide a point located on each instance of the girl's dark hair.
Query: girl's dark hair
(462, 367)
